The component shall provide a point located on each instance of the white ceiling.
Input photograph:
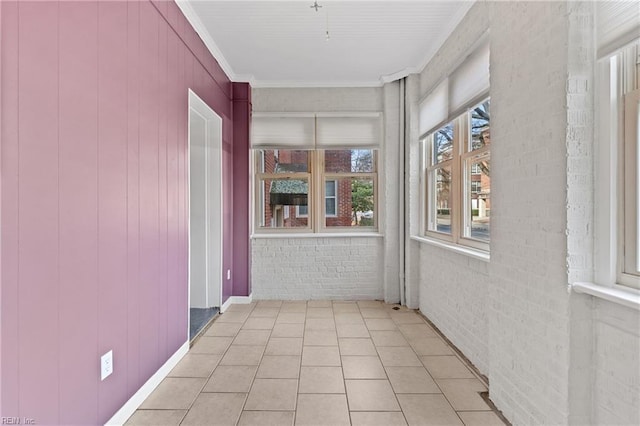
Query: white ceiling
(283, 43)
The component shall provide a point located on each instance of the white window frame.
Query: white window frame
(298, 214)
(335, 212)
(335, 197)
(461, 170)
(616, 167)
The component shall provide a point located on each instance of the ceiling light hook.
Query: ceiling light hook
(315, 6)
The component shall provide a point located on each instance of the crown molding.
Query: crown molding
(398, 75)
(258, 84)
(201, 30)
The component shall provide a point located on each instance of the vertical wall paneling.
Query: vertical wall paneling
(183, 203)
(78, 129)
(38, 209)
(94, 199)
(172, 15)
(133, 195)
(173, 116)
(112, 199)
(149, 298)
(10, 219)
(0, 207)
(163, 88)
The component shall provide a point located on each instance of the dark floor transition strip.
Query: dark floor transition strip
(199, 318)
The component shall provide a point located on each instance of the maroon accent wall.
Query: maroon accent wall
(241, 253)
(94, 198)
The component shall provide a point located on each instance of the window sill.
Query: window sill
(617, 294)
(456, 248)
(318, 235)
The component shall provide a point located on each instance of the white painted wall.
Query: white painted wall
(551, 357)
(316, 267)
(616, 385)
(343, 268)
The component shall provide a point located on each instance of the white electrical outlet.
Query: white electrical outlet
(106, 365)
(228, 274)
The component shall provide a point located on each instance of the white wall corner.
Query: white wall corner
(391, 187)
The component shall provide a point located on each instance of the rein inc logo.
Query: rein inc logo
(17, 421)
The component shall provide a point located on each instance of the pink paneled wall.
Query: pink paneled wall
(94, 208)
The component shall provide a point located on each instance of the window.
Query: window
(617, 227)
(617, 164)
(456, 158)
(330, 198)
(291, 182)
(283, 184)
(316, 172)
(458, 179)
(630, 268)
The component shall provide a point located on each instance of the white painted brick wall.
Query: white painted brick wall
(529, 316)
(336, 267)
(458, 308)
(343, 268)
(617, 365)
(551, 358)
(453, 289)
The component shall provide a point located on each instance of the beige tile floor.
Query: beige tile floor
(318, 363)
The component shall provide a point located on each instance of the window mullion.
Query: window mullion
(318, 190)
(459, 140)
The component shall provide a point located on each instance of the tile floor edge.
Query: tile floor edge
(484, 379)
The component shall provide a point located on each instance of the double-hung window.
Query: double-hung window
(316, 172)
(618, 145)
(456, 156)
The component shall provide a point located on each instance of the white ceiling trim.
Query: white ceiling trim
(258, 84)
(199, 27)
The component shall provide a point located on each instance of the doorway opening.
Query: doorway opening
(205, 214)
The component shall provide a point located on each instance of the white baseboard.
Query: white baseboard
(237, 300)
(127, 410)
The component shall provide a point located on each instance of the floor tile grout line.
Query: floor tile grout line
(211, 374)
(454, 353)
(432, 378)
(344, 379)
(304, 325)
(395, 395)
(246, 398)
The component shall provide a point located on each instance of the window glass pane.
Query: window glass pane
(330, 206)
(284, 161)
(280, 201)
(349, 161)
(354, 203)
(330, 188)
(480, 201)
(443, 144)
(443, 199)
(480, 118)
